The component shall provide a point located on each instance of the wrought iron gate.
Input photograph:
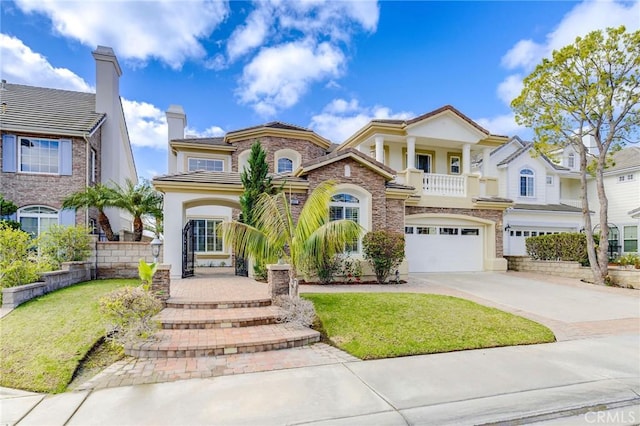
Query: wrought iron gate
(188, 254)
(242, 266)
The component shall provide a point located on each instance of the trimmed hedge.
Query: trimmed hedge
(565, 246)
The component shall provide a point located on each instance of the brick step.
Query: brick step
(182, 303)
(222, 341)
(173, 318)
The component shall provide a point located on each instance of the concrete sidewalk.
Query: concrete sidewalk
(531, 383)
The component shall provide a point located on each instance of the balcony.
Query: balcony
(444, 185)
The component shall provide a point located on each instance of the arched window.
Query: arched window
(527, 183)
(346, 206)
(37, 219)
(285, 165)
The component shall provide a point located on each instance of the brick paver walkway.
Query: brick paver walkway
(134, 371)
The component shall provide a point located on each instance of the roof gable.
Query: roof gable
(278, 129)
(385, 171)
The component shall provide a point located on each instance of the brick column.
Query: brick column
(278, 280)
(161, 283)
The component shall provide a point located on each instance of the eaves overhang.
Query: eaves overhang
(257, 133)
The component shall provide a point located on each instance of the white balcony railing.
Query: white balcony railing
(447, 185)
(571, 202)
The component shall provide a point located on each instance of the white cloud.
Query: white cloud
(582, 19)
(341, 118)
(298, 43)
(213, 131)
(138, 30)
(503, 125)
(146, 123)
(278, 76)
(21, 65)
(510, 88)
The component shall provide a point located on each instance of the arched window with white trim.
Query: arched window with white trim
(286, 160)
(527, 183)
(37, 219)
(346, 206)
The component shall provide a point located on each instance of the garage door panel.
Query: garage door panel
(450, 249)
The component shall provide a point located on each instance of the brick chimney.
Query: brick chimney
(176, 123)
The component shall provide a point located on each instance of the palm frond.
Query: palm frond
(249, 241)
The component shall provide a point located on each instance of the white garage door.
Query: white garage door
(443, 248)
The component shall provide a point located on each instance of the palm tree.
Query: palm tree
(139, 200)
(277, 236)
(98, 196)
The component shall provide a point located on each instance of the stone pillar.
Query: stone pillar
(161, 283)
(411, 152)
(379, 149)
(278, 280)
(466, 159)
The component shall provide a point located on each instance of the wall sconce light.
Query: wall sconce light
(294, 201)
(3, 108)
(155, 248)
(506, 228)
(582, 229)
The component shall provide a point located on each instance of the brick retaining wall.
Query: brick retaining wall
(622, 277)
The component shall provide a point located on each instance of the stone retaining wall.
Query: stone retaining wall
(621, 276)
(71, 273)
(116, 259)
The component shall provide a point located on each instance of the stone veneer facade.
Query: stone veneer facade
(271, 144)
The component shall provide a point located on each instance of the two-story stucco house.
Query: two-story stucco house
(410, 176)
(56, 142)
(546, 194)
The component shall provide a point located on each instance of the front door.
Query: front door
(423, 161)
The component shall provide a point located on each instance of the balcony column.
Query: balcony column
(486, 157)
(379, 149)
(411, 152)
(466, 159)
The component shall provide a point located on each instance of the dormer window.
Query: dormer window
(571, 161)
(527, 183)
(285, 165)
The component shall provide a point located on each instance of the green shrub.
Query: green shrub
(565, 246)
(629, 259)
(146, 271)
(259, 271)
(351, 269)
(19, 263)
(65, 244)
(384, 250)
(129, 312)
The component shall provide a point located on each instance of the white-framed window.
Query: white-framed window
(38, 155)
(208, 164)
(621, 178)
(527, 183)
(93, 167)
(629, 177)
(630, 235)
(208, 235)
(571, 160)
(454, 164)
(549, 180)
(36, 219)
(285, 165)
(346, 206)
(424, 162)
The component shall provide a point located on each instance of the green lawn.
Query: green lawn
(384, 325)
(44, 340)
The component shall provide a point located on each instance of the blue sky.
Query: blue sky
(330, 66)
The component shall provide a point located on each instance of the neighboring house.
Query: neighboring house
(622, 186)
(56, 142)
(412, 176)
(546, 195)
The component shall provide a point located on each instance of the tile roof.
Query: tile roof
(526, 147)
(203, 141)
(275, 125)
(225, 178)
(396, 185)
(48, 111)
(548, 207)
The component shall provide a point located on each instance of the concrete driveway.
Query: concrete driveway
(570, 308)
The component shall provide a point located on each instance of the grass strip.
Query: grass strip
(44, 339)
(385, 325)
